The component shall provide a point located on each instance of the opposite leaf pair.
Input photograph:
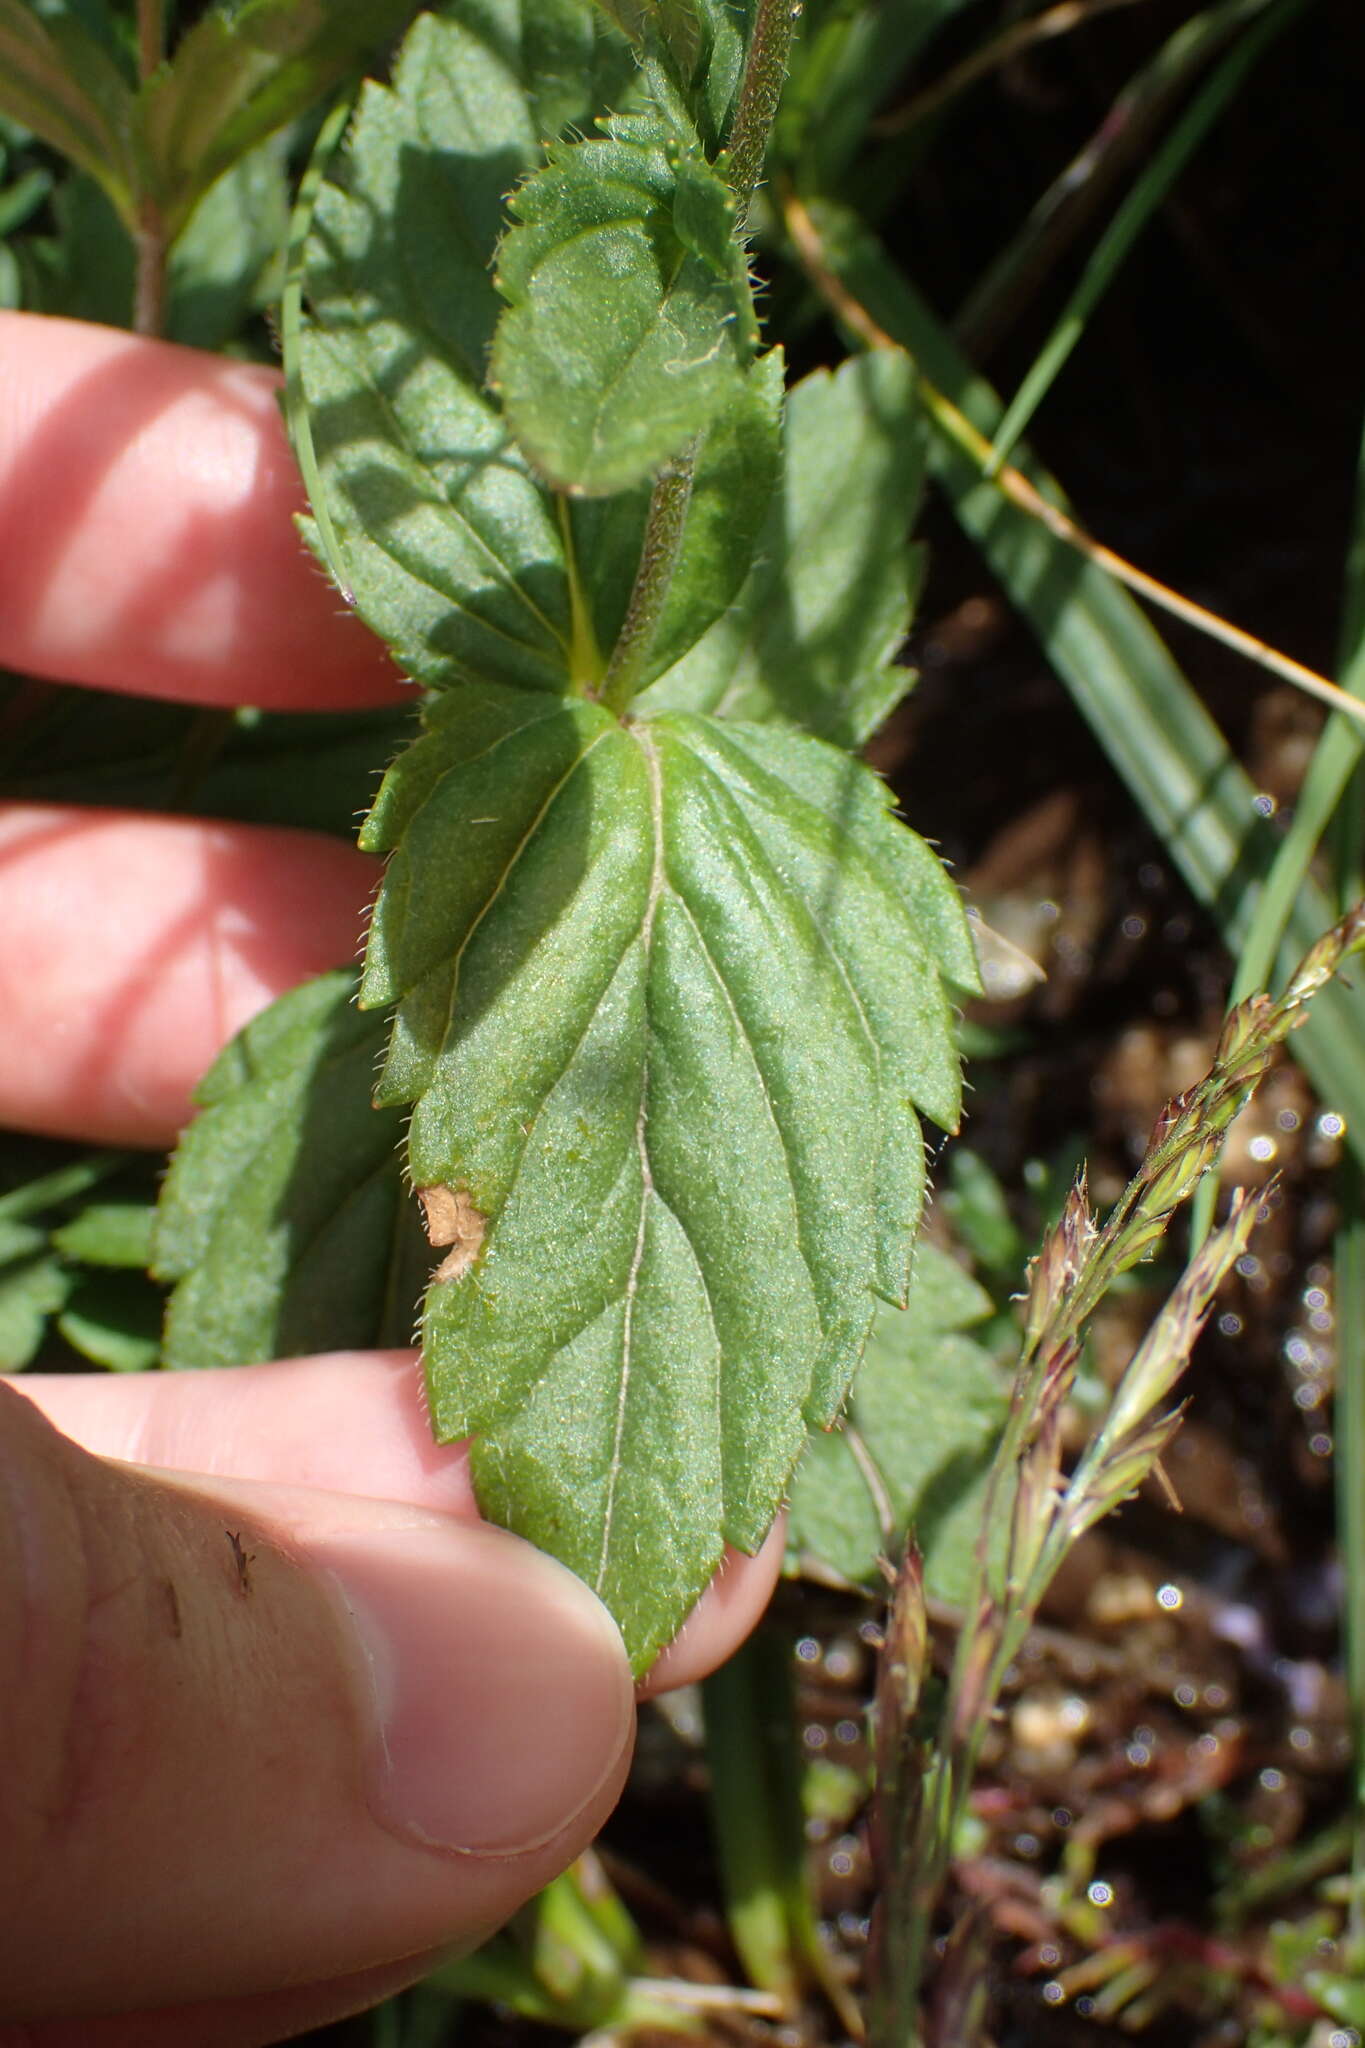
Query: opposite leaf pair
(668, 987)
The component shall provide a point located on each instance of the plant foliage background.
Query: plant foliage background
(1144, 188)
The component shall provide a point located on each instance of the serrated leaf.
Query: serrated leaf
(666, 994)
(241, 72)
(927, 1409)
(58, 81)
(449, 545)
(630, 318)
(284, 1219)
(813, 636)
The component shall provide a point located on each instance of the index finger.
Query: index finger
(147, 543)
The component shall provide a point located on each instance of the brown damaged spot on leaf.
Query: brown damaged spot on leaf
(451, 1219)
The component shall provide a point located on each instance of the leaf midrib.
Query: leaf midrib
(646, 935)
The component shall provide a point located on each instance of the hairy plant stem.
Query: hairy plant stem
(765, 73)
(659, 553)
(149, 291)
(149, 239)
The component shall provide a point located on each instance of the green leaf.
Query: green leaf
(33, 1283)
(927, 1408)
(109, 1234)
(224, 265)
(243, 70)
(283, 1218)
(114, 1320)
(85, 270)
(727, 28)
(677, 23)
(630, 317)
(56, 80)
(667, 993)
(449, 546)
(813, 636)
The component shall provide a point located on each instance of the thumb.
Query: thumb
(254, 1738)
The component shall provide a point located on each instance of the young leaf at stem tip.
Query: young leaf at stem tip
(629, 316)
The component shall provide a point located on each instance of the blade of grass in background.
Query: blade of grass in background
(1119, 672)
(991, 55)
(1008, 283)
(845, 60)
(757, 1819)
(1318, 806)
(1148, 192)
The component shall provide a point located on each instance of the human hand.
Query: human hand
(280, 1720)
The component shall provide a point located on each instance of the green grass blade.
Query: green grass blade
(1121, 675)
(1053, 223)
(1147, 194)
(1335, 761)
(757, 1820)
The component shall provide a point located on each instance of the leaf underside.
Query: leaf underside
(666, 995)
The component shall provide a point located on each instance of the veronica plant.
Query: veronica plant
(662, 984)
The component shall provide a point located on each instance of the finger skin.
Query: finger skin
(232, 2022)
(147, 498)
(261, 1422)
(196, 1784)
(136, 947)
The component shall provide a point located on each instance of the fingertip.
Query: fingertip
(158, 938)
(147, 507)
(728, 1611)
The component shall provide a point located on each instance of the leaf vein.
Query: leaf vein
(500, 885)
(785, 1149)
(402, 443)
(642, 1150)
